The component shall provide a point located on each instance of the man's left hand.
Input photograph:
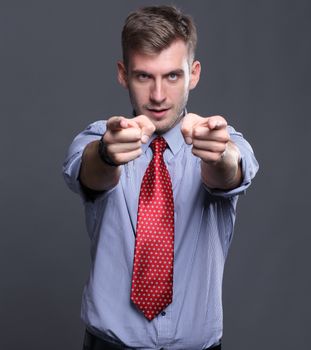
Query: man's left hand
(209, 136)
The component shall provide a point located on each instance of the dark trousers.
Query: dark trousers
(91, 342)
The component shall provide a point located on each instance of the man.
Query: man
(160, 221)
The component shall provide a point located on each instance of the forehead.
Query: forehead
(172, 58)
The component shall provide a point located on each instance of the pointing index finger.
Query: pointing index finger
(117, 123)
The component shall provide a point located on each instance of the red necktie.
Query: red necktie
(152, 281)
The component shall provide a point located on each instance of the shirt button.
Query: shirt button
(163, 313)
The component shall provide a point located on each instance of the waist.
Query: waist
(92, 342)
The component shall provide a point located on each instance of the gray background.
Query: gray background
(58, 74)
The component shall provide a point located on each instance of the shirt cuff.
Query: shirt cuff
(235, 191)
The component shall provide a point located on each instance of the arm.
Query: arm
(226, 173)
(94, 173)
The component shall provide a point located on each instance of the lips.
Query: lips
(158, 112)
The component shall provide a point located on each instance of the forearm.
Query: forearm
(225, 174)
(94, 173)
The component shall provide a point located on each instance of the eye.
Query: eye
(142, 77)
(172, 76)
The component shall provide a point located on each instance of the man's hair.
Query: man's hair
(152, 29)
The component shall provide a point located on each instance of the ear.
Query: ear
(195, 74)
(122, 74)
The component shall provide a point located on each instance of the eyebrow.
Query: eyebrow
(174, 71)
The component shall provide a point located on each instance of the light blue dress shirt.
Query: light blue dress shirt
(204, 221)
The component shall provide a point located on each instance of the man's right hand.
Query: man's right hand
(124, 137)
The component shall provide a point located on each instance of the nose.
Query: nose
(157, 92)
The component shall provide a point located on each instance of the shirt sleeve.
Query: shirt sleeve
(72, 163)
(249, 165)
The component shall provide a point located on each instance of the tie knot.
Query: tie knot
(158, 145)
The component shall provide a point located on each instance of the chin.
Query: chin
(161, 129)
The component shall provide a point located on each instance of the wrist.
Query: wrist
(102, 152)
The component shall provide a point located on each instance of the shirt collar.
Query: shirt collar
(173, 137)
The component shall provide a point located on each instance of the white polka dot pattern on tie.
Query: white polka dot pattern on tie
(152, 281)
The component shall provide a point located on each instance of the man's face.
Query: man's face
(159, 84)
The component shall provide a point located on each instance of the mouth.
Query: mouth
(158, 113)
